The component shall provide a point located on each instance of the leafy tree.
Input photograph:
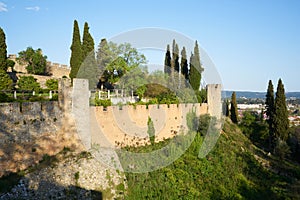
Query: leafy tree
(281, 121)
(3, 51)
(87, 41)
(6, 82)
(195, 68)
(167, 67)
(136, 80)
(115, 60)
(35, 60)
(115, 70)
(270, 112)
(76, 52)
(52, 84)
(131, 56)
(28, 83)
(184, 64)
(233, 109)
(141, 91)
(151, 130)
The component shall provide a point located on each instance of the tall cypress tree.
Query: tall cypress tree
(233, 109)
(167, 67)
(176, 58)
(88, 44)
(88, 69)
(3, 51)
(184, 64)
(281, 120)
(195, 68)
(270, 112)
(76, 52)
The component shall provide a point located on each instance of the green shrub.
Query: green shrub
(103, 102)
(5, 98)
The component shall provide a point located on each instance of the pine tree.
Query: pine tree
(88, 44)
(281, 121)
(270, 112)
(195, 68)
(3, 51)
(76, 51)
(233, 109)
(167, 67)
(184, 64)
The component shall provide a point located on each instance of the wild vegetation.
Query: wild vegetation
(234, 169)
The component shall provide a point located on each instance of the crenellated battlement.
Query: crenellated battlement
(56, 70)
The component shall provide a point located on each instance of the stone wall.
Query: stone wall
(56, 70)
(30, 130)
(214, 100)
(127, 125)
(21, 121)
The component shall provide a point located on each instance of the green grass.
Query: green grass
(229, 171)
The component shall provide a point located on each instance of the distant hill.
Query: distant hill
(259, 95)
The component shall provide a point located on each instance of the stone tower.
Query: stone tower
(214, 100)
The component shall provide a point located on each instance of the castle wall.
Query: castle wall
(30, 130)
(128, 125)
(20, 121)
(214, 100)
(55, 70)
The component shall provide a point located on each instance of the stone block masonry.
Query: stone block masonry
(20, 121)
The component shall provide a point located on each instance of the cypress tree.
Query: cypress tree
(270, 112)
(281, 121)
(167, 67)
(176, 58)
(3, 51)
(184, 64)
(173, 58)
(195, 69)
(227, 112)
(88, 44)
(76, 52)
(102, 53)
(233, 109)
(88, 69)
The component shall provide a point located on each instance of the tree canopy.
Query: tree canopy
(52, 84)
(115, 60)
(281, 121)
(35, 60)
(6, 82)
(270, 112)
(76, 51)
(3, 51)
(195, 68)
(87, 41)
(167, 66)
(28, 83)
(233, 109)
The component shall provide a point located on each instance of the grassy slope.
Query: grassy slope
(235, 169)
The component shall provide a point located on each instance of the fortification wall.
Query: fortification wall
(127, 125)
(56, 70)
(32, 129)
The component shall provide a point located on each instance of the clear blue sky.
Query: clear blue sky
(249, 41)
